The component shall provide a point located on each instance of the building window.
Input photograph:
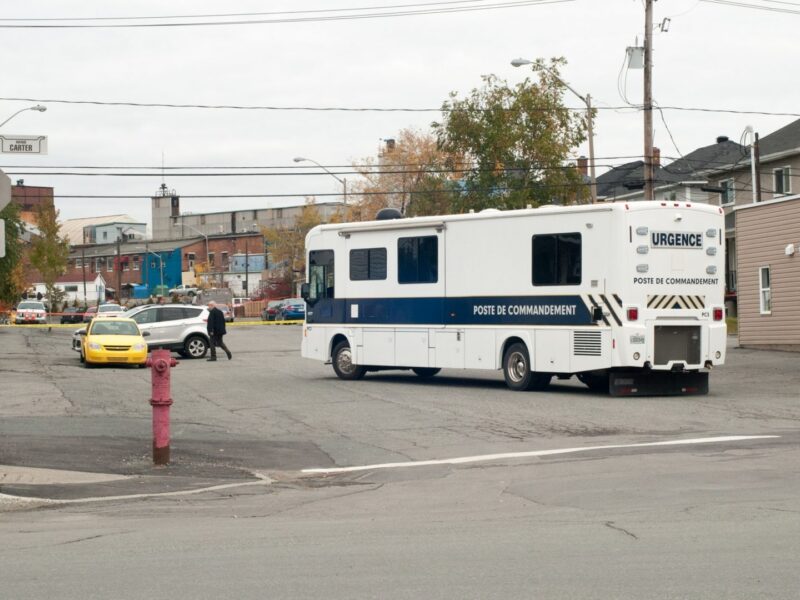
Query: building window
(727, 196)
(224, 258)
(135, 263)
(98, 265)
(105, 235)
(125, 264)
(765, 291)
(70, 288)
(78, 263)
(110, 264)
(211, 257)
(278, 213)
(202, 219)
(557, 259)
(781, 181)
(156, 202)
(367, 263)
(418, 259)
(190, 259)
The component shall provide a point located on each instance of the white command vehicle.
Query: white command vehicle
(627, 297)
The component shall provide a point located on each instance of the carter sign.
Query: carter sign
(665, 239)
(23, 144)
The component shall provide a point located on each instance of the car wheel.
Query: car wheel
(196, 346)
(343, 363)
(517, 370)
(190, 294)
(82, 359)
(425, 372)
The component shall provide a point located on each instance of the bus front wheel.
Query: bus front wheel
(343, 363)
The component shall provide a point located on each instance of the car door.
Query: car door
(171, 320)
(147, 319)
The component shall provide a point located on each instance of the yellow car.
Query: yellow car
(114, 340)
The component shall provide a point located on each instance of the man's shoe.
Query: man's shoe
(230, 356)
(213, 358)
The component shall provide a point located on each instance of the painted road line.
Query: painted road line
(535, 453)
(261, 479)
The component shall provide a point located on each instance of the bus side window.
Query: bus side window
(321, 277)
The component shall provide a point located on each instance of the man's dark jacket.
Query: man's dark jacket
(216, 322)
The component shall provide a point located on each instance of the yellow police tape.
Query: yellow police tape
(79, 325)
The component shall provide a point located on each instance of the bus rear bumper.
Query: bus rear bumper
(658, 383)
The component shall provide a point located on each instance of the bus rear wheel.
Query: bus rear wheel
(425, 372)
(517, 370)
(343, 363)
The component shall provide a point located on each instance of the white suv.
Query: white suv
(177, 327)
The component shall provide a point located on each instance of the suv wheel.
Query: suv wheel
(195, 346)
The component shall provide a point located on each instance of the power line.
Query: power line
(580, 109)
(315, 19)
(775, 9)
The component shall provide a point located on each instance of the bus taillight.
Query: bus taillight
(718, 314)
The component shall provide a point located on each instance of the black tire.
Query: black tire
(425, 372)
(195, 346)
(343, 363)
(191, 294)
(83, 360)
(517, 370)
(597, 382)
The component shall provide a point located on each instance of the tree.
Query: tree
(12, 268)
(286, 244)
(49, 252)
(412, 175)
(517, 139)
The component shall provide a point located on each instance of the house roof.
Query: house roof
(785, 138)
(629, 177)
(72, 229)
(129, 248)
(708, 158)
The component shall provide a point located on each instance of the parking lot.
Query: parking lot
(257, 441)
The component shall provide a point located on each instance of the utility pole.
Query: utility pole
(649, 193)
(590, 126)
(83, 271)
(246, 269)
(119, 266)
(146, 264)
(757, 159)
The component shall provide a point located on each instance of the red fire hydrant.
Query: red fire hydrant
(160, 362)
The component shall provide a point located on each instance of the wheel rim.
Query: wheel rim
(344, 360)
(196, 347)
(517, 367)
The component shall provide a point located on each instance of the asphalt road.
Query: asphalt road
(235, 516)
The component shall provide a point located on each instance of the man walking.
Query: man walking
(216, 329)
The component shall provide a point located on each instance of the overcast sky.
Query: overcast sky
(713, 56)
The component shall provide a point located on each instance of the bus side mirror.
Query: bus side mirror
(305, 291)
(597, 314)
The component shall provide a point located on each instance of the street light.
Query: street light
(38, 108)
(198, 231)
(298, 159)
(587, 100)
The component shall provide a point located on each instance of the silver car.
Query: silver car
(177, 327)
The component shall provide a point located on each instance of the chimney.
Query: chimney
(722, 139)
(656, 157)
(583, 166)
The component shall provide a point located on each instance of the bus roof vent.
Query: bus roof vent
(490, 210)
(387, 214)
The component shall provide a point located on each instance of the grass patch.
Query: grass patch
(733, 325)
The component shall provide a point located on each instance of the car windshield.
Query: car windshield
(107, 327)
(110, 308)
(30, 306)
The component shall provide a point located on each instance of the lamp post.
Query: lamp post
(298, 159)
(587, 100)
(38, 108)
(201, 233)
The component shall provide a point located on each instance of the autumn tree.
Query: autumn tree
(286, 244)
(517, 140)
(49, 252)
(12, 282)
(411, 174)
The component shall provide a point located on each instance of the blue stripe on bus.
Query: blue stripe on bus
(486, 310)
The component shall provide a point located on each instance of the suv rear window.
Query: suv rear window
(191, 313)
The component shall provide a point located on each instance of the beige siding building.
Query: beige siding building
(768, 261)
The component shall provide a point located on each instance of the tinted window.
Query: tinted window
(191, 313)
(367, 263)
(145, 316)
(418, 259)
(557, 259)
(171, 313)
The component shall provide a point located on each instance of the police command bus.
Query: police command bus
(627, 297)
